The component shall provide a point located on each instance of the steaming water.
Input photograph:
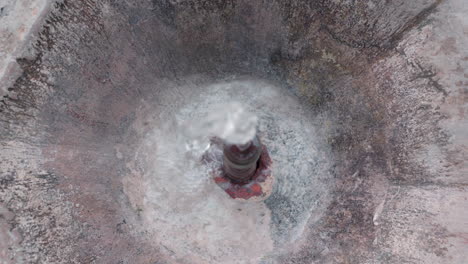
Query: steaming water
(190, 217)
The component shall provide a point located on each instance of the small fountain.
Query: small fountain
(245, 168)
(233, 131)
